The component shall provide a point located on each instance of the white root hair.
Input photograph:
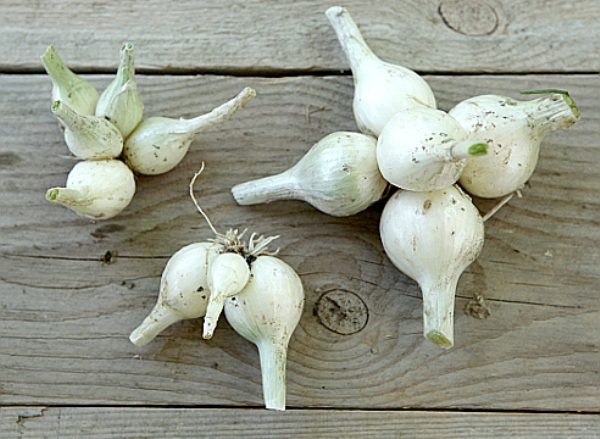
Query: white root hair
(232, 240)
(501, 204)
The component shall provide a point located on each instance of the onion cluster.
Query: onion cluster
(429, 228)
(106, 130)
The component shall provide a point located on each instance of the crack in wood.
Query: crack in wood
(84, 258)
(83, 287)
(22, 418)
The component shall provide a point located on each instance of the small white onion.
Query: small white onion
(382, 89)
(99, 189)
(423, 149)
(432, 237)
(514, 130)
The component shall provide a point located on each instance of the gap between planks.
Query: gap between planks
(279, 73)
(450, 410)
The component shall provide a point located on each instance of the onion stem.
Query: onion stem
(349, 36)
(157, 321)
(218, 114)
(438, 313)
(272, 366)
(265, 190)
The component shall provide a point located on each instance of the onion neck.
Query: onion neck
(552, 112)
(67, 197)
(59, 73)
(126, 70)
(213, 312)
(265, 190)
(272, 365)
(350, 38)
(67, 115)
(217, 115)
(157, 321)
(438, 311)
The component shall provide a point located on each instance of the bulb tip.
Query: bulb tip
(56, 106)
(335, 11)
(245, 96)
(565, 95)
(235, 191)
(126, 66)
(49, 53)
(52, 194)
(242, 194)
(127, 46)
(137, 338)
(572, 105)
(440, 339)
(249, 91)
(478, 149)
(208, 330)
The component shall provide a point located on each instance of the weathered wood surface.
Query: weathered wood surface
(65, 315)
(233, 36)
(135, 423)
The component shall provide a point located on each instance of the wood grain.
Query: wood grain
(65, 315)
(259, 36)
(134, 423)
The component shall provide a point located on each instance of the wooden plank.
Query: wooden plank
(125, 423)
(65, 315)
(229, 36)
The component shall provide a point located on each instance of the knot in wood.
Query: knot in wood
(472, 17)
(342, 312)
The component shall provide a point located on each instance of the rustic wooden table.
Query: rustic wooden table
(72, 290)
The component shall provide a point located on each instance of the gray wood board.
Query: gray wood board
(65, 315)
(259, 36)
(135, 423)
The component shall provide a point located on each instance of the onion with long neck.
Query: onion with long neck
(88, 137)
(98, 189)
(158, 144)
(432, 237)
(424, 149)
(266, 312)
(67, 86)
(339, 176)
(121, 103)
(381, 89)
(183, 292)
(514, 130)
